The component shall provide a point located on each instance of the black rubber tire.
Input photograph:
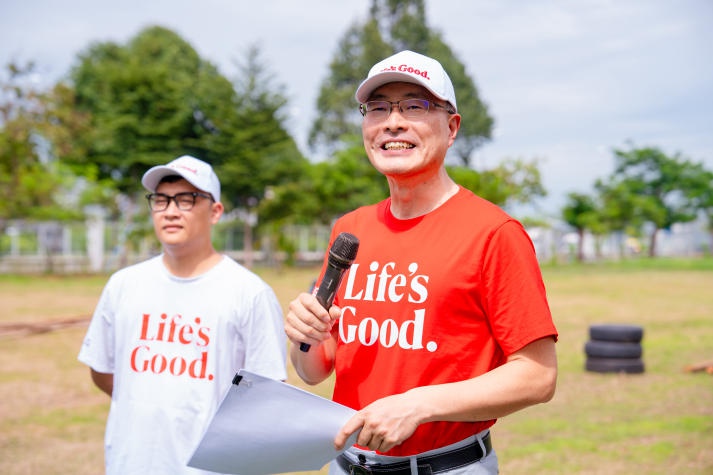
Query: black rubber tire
(624, 333)
(613, 349)
(615, 365)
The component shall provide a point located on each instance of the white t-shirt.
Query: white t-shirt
(174, 346)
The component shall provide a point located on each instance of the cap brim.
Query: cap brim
(152, 177)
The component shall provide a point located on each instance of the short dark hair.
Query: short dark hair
(170, 179)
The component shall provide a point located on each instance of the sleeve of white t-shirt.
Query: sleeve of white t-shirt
(266, 351)
(97, 350)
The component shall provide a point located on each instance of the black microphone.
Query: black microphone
(340, 258)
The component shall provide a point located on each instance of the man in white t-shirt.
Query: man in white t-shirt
(169, 334)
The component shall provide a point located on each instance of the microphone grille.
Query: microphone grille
(345, 248)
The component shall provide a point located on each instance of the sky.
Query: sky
(566, 82)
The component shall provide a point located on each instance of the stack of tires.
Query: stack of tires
(614, 349)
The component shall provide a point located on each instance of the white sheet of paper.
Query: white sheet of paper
(264, 426)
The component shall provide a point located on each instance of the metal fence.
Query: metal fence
(98, 246)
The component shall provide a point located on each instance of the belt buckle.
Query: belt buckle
(355, 469)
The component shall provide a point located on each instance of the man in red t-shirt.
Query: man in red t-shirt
(441, 325)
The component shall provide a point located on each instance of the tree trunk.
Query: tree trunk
(652, 243)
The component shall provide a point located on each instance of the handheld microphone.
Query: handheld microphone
(340, 258)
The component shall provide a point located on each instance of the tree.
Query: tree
(393, 25)
(138, 105)
(259, 151)
(30, 180)
(148, 102)
(702, 195)
(580, 211)
(476, 124)
(655, 188)
(339, 120)
(154, 99)
(618, 210)
(512, 181)
(63, 128)
(328, 189)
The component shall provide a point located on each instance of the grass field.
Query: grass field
(660, 422)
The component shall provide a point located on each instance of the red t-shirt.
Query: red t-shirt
(440, 298)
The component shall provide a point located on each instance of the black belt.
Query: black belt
(426, 465)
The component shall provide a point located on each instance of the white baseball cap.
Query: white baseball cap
(410, 67)
(196, 172)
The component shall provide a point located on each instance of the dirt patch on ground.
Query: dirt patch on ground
(46, 304)
(19, 329)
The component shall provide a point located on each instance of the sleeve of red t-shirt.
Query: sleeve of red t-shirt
(515, 298)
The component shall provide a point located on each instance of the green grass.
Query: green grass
(52, 418)
(657, 422)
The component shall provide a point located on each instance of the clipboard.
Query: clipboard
(264, 426)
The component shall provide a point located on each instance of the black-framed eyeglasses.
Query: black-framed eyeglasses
(411, 108)
(184, 201)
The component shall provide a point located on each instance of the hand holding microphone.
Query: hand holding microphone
(340, 258)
